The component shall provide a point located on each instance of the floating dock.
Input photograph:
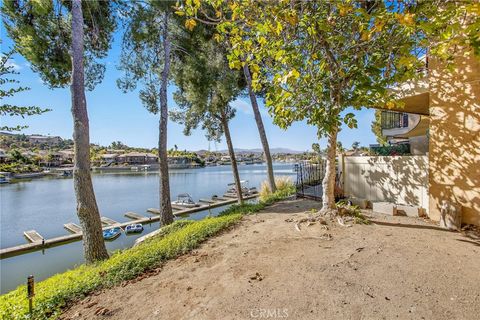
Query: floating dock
(72, 227)
(37, 241)
(109, 222)
(33, 236)
(134, 216)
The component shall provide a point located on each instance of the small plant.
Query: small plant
(345, 209)
(285, 188)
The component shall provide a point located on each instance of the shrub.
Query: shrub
(285, 187)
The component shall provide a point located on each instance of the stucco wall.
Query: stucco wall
(455, 136)
(418, 145)
(397, 179)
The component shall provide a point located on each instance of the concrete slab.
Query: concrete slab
(410, 211)
(384, 207)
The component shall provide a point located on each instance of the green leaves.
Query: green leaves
(42, 34)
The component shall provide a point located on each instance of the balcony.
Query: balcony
(413, 95)
(403, 125)
(392, 120)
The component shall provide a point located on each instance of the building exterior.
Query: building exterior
(137, 158)
(39, 139)
(440, 117)
(4, 157)
(109, 158)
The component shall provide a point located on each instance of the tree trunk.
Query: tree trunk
(261, 130)
(166, 215)
(231, 152)
(328, 184)
(87, 210)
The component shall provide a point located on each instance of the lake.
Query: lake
(46, 204)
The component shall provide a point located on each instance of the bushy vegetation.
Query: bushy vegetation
(178, 238)
(285, 187)
(345, 209)
(393, 150)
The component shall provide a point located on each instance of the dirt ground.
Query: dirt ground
(395, 268)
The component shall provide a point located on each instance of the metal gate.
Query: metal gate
(309, 180)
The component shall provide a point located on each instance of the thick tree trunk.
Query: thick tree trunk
(328, 183)
(261, 130)
(166, 215)
(231, 152)
(87, 210)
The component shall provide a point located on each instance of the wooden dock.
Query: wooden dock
(72, 227)
(38, 242)
(109, 222)
(33, 236)
(206, 201)
(134, 216)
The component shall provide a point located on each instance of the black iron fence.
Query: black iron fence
(392, 119)
(309, 180)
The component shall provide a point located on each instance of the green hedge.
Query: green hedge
(176, 239)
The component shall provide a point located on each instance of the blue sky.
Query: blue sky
(117, 116)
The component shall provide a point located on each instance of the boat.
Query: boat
(66, 173)
(232, 190)
(112, 233)
(4, 179)
(185, 200)
(134, 228)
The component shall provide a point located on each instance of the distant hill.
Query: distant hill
(259, 150)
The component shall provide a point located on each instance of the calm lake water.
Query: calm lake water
(46, 204)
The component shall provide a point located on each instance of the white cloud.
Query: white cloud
(11, 63)
(246, 108)
(242, 106)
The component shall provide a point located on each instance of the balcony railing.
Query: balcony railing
(392, 120)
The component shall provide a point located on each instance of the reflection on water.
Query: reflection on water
(46, 204)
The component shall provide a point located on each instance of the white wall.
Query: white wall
(396, 179)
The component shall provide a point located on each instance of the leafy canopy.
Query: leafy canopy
(205, 86)
(41, 31)
(315, 59)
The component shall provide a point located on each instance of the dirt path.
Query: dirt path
(398, 268)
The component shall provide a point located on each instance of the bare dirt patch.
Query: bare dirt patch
(265, 268)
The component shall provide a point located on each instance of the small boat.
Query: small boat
(66, 173)
(232, 190)
(112, 233)
(4, 179)
(185, 200)
(134, 228)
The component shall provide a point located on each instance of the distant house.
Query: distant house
(179, 160)
(109, 157)
(51, 159)
(137, 158)
(39, 139)
(4, 157)
(67, 155)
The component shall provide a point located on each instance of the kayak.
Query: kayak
(134, 228)
(110, 234)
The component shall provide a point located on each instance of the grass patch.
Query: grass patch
(285, 188)
(176, 239)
